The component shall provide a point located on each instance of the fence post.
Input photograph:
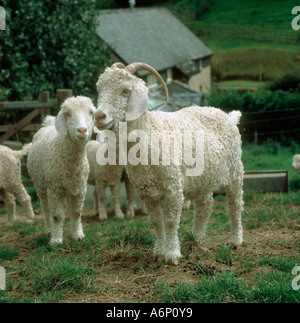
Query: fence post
(255, 137)
(62, 95)
(44, 98)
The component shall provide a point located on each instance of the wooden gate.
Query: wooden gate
(41, 107)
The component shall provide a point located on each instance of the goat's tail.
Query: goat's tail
(20, 153)
(235, 116)
(48, 121)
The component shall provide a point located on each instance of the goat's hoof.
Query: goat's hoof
(175, 262)
(102, 217)
(159, 258)
(235, 243)
(78, 237)
(233, 246)
(130, 214)
(54, 242)
(119, 215)
(203, 248)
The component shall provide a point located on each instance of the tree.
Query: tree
(50, 44)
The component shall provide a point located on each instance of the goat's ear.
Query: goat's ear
(60, 123)
(137, 104)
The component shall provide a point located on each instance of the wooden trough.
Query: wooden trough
(262, 182)
(273, 181)
(267, 181)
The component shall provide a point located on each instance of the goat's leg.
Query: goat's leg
(100, 191)
(172, 209)
(203, 209)
(46, 210)
(24, 198)
(172, 244)
(115, 194)
(186, 205)
(56, 204)
(234, 194)
(156, 217)
(74, 207)
(130, 198)
(10, 204)
(96, 205)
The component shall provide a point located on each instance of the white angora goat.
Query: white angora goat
(11, 185)
(296, 163)
(122, 107)
(58, 165)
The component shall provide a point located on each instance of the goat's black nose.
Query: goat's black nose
(100, 115)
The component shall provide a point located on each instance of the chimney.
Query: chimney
(131, 3)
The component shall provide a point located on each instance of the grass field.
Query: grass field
(240, 85)
(114, 262)
(273, 14)
(236, 59)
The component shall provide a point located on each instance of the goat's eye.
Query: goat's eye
(68, 113)
(91, 112)
(126, 92)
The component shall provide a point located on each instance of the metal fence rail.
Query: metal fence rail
(243, 32)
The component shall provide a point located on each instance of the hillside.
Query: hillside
(235, 58)
(274, 14)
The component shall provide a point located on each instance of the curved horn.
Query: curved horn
(118, 65)
(135, 67)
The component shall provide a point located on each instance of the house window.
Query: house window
(163, 74)
(169, 75)
(205, 61)
(198, 64)
(151, 80)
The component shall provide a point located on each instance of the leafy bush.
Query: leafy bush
(193, 9)
(267, 116)
(49, 45)
(285, 82)
(260, 101)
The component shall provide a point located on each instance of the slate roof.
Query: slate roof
(180, 96)
(150, 35)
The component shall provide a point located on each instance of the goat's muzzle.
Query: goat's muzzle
(101, 120)
(100, 115)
